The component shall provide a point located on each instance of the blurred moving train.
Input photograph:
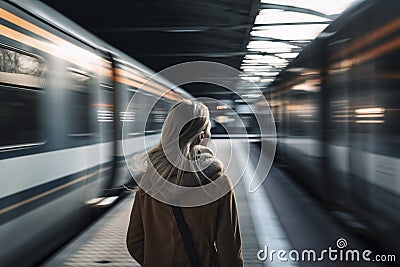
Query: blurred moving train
(63, 99)
(337, 115)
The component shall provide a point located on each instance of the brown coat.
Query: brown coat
(154, 239)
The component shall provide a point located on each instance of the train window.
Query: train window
(21, 77)
(157, 117)
(131, 112)
(19, 117)
(21, 69)
(79, 110)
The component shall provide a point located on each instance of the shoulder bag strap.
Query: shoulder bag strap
(187, 240)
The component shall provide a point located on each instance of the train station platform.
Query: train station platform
(278, 216)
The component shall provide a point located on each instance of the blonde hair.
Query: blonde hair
(181, 131)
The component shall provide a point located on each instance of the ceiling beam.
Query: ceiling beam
(292, 23)
(252, 16)
(196, 29)
(297, 9)
(174, 29)
(226, 6)
(194, 54)
(294, 42)
(211, 54)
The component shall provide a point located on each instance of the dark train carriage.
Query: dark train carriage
(336, 109)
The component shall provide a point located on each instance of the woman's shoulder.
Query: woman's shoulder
(209, 165)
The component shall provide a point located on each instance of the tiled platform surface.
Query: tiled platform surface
(102, 244)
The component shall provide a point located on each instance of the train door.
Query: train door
(337, 136)
(283, 134)
(338, 148)
(125, 87)
(361, 137)
(277, 106)
(100, 112)
(81, 130)
(104, 113)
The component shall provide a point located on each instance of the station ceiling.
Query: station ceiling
(248, 35)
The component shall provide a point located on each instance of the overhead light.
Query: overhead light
(325, 7)
(250, 65)
(370, 121)
(259, 66)
(253, 70)
(256, 69)
(270, 45)
(253, 56)
(266, 80)
(370, 115)
(266, 73)
(270, 50)
(267, 60)
(280, 65)
(369, 110)
(287, 55)
(274, 16)
(294, 26)
(255, 64)
(290, 32)
(250, 78)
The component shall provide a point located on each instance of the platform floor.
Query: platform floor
(278, 215)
